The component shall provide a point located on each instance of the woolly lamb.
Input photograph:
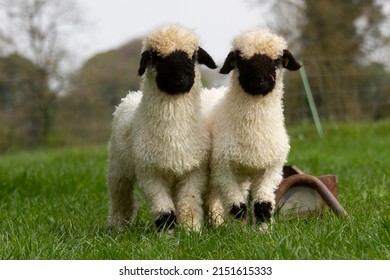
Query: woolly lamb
(159, 141)
(250, 142)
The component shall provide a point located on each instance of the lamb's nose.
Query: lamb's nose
(261, 82)
(182, 81)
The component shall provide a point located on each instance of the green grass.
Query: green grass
(54, 203)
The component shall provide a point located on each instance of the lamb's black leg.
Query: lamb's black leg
(263, 211)
(239, 212)
(165, 221)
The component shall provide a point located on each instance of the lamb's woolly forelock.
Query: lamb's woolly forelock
(261, 41)
(167, 39)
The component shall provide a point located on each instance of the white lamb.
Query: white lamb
(159, 141)
(250, 142)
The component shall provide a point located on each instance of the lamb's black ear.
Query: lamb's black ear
(229, 63)
(145, 57)
(206, 59)
(289, 62)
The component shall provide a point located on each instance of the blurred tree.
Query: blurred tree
(36, 31)
(348, 29)
(23, 103)
(337, 41)
(374, 79)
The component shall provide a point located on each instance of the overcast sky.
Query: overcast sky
(111, 23)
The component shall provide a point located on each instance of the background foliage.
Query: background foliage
(342, 44)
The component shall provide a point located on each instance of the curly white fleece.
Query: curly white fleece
(249, 140)
(160, 143)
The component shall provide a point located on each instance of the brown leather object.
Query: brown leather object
(325, 186)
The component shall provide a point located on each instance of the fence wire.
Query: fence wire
(341, 91)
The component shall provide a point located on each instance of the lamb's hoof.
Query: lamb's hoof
(263, 227)
(165, 221)
(217, 220)
(239, 212)
(263, 211)
(193, 227)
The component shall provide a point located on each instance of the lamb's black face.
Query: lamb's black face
(257, 74)
(175, 72)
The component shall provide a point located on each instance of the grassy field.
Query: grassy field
(54, 203)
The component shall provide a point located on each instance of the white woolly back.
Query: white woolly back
(210, 97)
(261, 41)
(167, 39)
